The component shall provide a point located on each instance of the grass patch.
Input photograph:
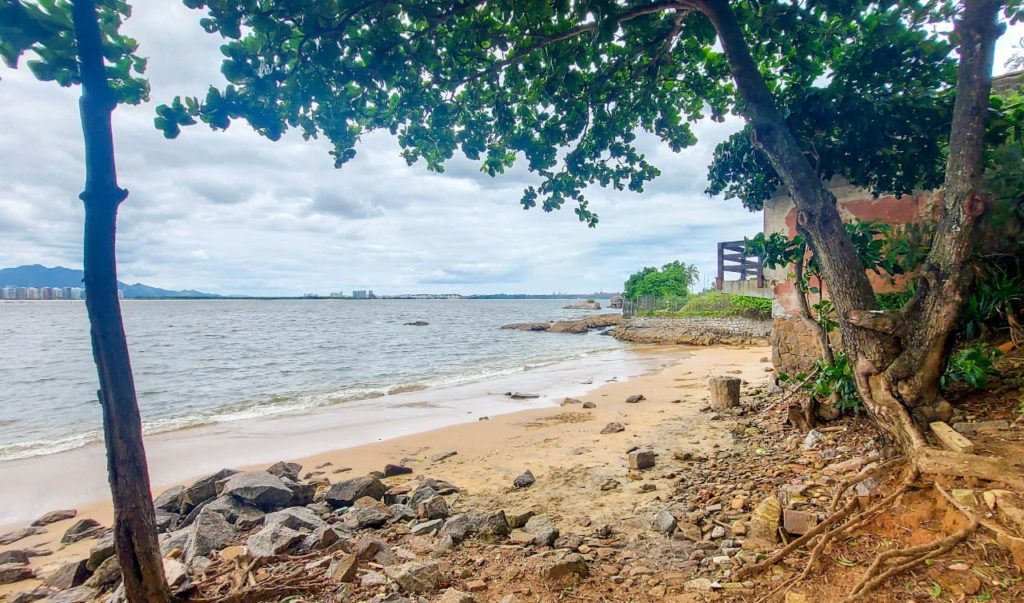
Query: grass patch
(712, 304)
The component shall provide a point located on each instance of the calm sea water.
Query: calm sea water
(202, 362)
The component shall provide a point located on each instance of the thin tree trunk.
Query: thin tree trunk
(134, 522)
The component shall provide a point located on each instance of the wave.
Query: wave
(286, 404)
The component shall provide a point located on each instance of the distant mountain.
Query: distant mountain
(59, 276)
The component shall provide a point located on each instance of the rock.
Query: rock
(798, 522)
(517, 518)
(795, 597)
(812, 439)
(170, 499)
(367, 513)
(665, 522)
(296, 518)
(570, 401)
(302, 493)
(868, 487)
(525, 480)
(344, 494)
(13, 556)
(15, 536)
(435, 507)
(165, 520)
(176, 573)
(417, 323)
(371, 579)
(259, 489)
(458, 527)
(613, 427)
(108, 573)
(79, 594)
(447, 454)
(402, 513)
(344, 569)
(426, 528)
(55, 516)
(416, 577)
(543, 529)
(15, 572)
(522, 396)
(283, 469)
(80, 530)
(204, 489)
(701, 585)
(717, 532)
(521, 537)
(173, 540)
(559, 564)
(589, 405)
(968, 428)
(234, 509)
(233, 552)
(100, 552)
(641, 459)
(476, 585)
(68, 576)
(456, 596)
(273, 539)
(321, 538)
(210, 532)
(764, 522)
(490, 526)
(37, 593)
(421, 494)
(583, 305)
(738, 528)
(635, 398)
(393, 470)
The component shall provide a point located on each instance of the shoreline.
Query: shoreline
(77, 477)
(561, 445)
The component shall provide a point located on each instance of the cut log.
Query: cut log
(951, 440)
(725, 392)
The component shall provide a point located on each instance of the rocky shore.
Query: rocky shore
(583, 325)
(636, 491)
(731, 330)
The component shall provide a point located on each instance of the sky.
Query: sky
(230, 212)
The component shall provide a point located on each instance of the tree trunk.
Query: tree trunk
(725, 392)
(897, 368)
(134, 521)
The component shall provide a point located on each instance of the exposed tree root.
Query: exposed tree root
(237, 582)
(880, 570)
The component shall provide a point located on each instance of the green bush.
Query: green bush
(715, 304)
(971, 366)
(827, 379)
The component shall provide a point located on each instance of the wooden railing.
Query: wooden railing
(733, 257)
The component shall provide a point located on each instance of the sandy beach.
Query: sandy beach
(561, 445)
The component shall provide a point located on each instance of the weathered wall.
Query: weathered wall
(794, 345)
(694, 331)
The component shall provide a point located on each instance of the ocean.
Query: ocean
(209, 362)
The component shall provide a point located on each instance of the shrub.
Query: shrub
(971, 366)
(715, 304)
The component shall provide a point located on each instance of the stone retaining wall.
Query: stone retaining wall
(694, 331)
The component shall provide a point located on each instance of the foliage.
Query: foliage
(895, 300)
(888, 73)
(993, 302)
(828, 381)
(714, 304)
(567, 87)
(673, 279)
(972, 366)
(43, 28)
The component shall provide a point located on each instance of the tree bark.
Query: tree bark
(896, 372)
(135, 538)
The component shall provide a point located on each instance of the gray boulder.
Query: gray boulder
(15, 572)
(367, 513)
(458, 527)
(100, 552)
(173, 540)
(665, 522)
(203, 490)
(296, 518)
(258, 488)
(242, 515)
(400, 513)
(525, 480)
(302, 494)
(79, 594)
(344, 494)
(543, 529)
(273, 539)
(421, 494)
(210, 532)
(170, 499)
(67, 576)
(433, 508)
(490, 526)
(80, 530)
(283, 469)
(14, 556)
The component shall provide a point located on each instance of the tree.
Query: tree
(567, 85)
(673, 280)
(79, 43)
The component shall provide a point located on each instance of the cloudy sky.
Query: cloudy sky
(230, 212)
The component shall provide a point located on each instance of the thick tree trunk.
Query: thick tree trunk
(134, 522)
(898, 367)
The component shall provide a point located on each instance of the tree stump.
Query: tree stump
(725, 392)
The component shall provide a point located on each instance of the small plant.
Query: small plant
(971, 366)
(830, 382)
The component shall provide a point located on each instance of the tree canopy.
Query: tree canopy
(672, 280)
(567, 86)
